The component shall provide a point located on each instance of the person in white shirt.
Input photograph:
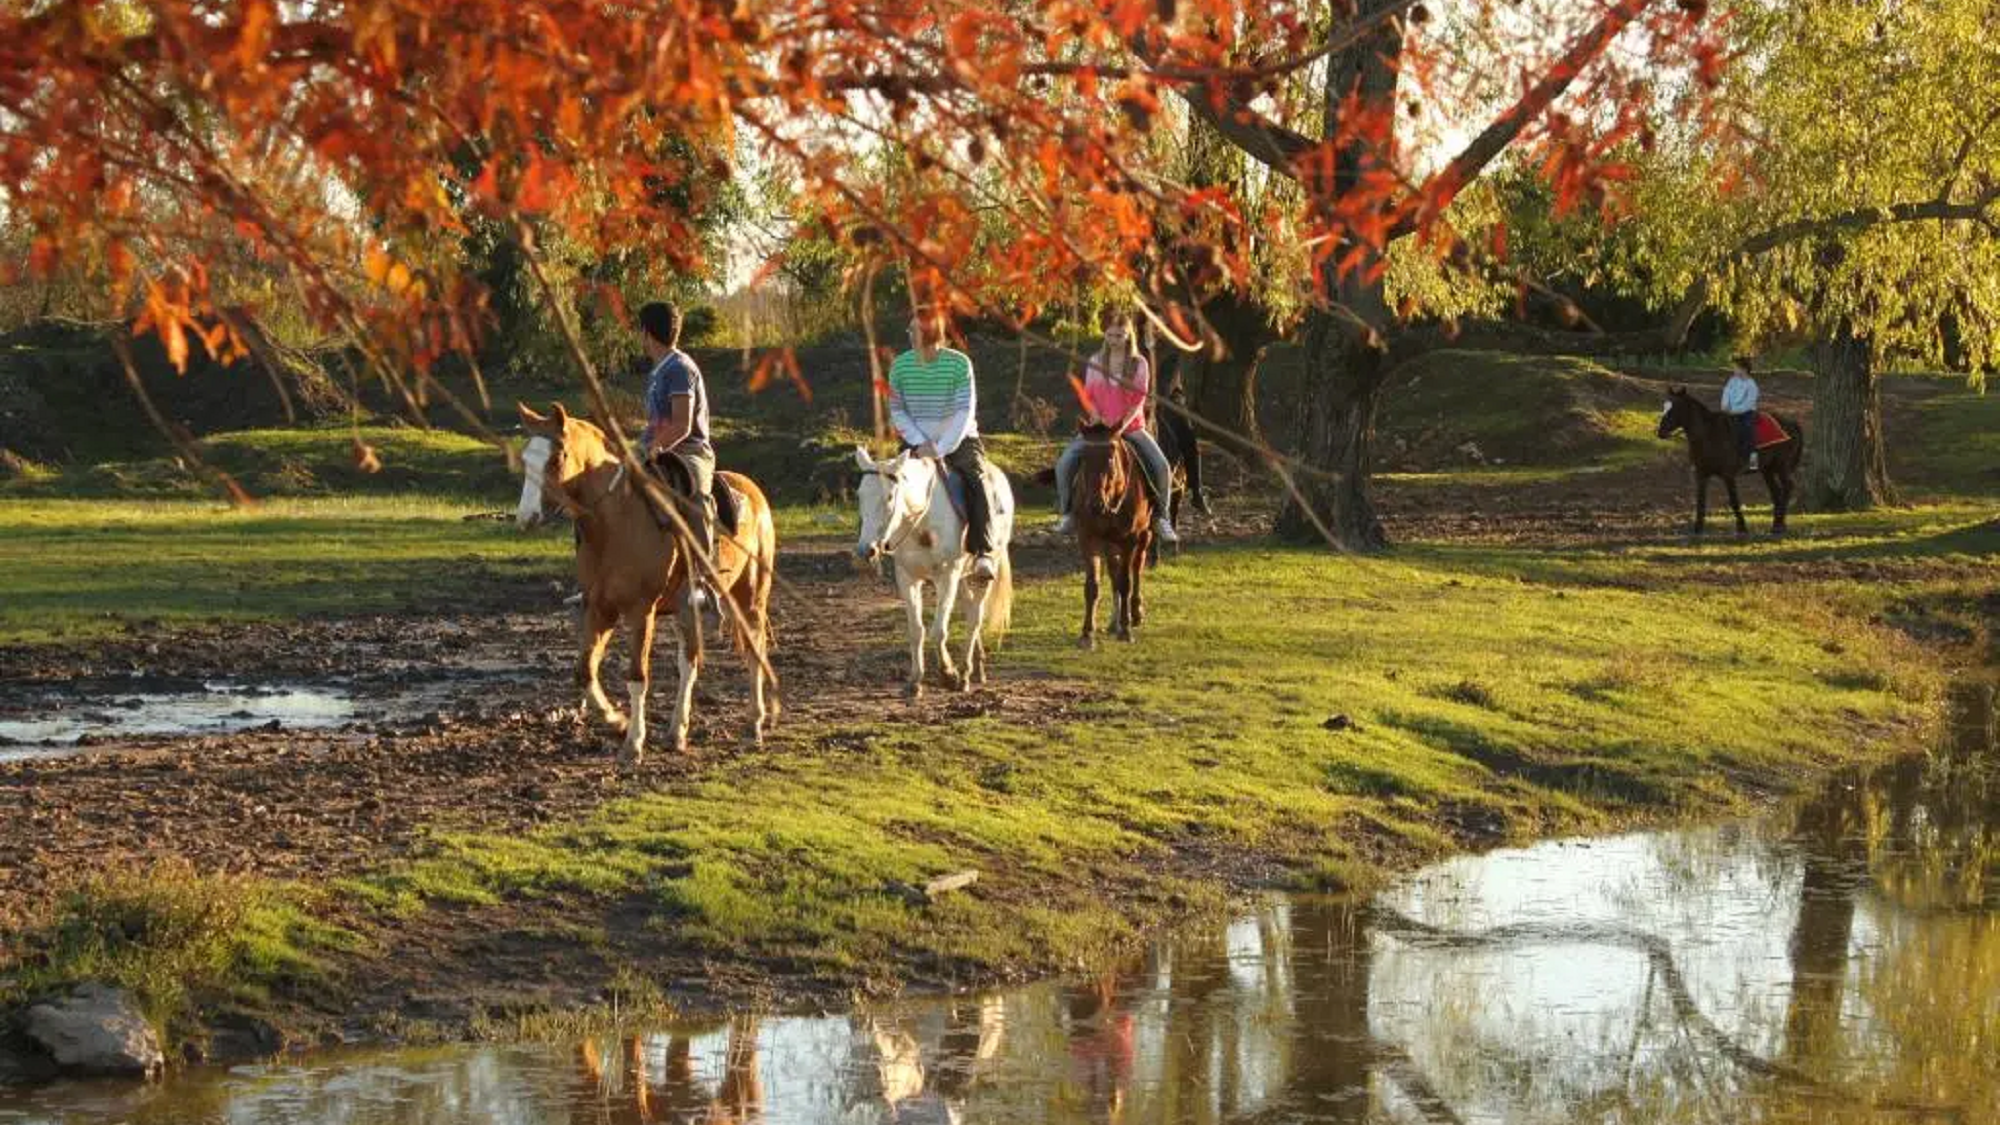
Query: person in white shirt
(1739, 401)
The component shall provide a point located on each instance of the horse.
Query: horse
(629, 566)
(1114, 521)
(907, 514)
(1712, 450)
(1178, 441)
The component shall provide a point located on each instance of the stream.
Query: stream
(1835, 960)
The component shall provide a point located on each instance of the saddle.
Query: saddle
(673, 472)
(1769, 431)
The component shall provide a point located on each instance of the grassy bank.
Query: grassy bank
(1288, 718)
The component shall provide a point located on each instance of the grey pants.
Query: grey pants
(1159, 477)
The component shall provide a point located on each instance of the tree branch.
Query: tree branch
(1977, 209)
(1446, 183)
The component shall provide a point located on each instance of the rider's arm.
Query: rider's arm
(899, 409)
(1141, 381)
(672, 428)
(952, 430)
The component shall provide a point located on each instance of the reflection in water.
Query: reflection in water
(1837, 962)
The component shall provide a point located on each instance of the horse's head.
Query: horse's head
(1678, 412)
(559, 450)
(895, 496)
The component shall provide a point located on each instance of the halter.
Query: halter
(890, 547)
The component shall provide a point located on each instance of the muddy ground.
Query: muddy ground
(494, 748)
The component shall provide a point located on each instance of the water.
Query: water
(211, 708)
(1837, 961)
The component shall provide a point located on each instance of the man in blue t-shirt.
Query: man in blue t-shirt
(677, 411)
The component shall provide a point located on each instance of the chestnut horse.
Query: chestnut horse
(1712, 450)
(629, 567)
(1114, 521)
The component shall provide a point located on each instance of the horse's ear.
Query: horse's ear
(562, 416)
(1678, 392)
(896, 466)
(533, 422)
(862, 460)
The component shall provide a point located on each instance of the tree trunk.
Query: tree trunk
(1343, 384)
(1829, 834)
(1345, 356)
(1223, 389)
(1844, 467)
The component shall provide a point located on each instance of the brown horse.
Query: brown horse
(1712, 450)
(630, 566)
(1114, 521)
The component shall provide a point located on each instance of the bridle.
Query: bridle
(891, 482)
(577, 509)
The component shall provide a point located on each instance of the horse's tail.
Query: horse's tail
(1000, 600)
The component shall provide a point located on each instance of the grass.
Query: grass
(1480, 708)
(76, 568)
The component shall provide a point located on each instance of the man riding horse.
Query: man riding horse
(677, 422)
(933, 403)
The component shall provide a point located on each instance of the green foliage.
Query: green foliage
(168, 933)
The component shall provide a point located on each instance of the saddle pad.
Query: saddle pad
(1769, 432)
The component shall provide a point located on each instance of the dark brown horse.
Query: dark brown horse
(1114, 521)
(1712, 450)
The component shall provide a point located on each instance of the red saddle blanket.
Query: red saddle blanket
(1769, 432)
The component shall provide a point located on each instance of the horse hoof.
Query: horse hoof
(1086, 642)
(913, 691)
(629, 756)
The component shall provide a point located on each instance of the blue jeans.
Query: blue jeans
(1746, 433)
(1159, 477)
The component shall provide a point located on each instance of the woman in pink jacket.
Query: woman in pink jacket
(1116, 381)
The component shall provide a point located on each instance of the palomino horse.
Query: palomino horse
(1711, 440)
(907, 514)
(1114, 522)
(629, 566)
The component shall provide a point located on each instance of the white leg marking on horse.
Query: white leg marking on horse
(635, 731)
(684, 691)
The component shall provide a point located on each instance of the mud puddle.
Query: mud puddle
(53, 719)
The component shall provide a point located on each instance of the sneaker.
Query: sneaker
(1066, 525)
(983, 568)
(574, 599)
(1752, 463)
(700, 599)
(1163, 530)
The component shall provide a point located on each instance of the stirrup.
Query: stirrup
(1751, 464)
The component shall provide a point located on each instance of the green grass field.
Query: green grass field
(1489, 692)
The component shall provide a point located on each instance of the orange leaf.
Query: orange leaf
(175, 338)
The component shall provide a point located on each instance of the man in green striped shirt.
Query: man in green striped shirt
(933, 405)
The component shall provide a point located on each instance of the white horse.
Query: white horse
(907, 514)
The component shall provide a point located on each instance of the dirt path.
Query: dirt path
(494, 756)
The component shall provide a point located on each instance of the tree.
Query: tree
(1858, 210)
(351, 146)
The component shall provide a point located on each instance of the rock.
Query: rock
(1339, 722)
(95, 1030)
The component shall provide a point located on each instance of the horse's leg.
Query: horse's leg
(1736, 504)
(598, 623)
(765, 710)
(913, 608)
(1121, 591)
(1138, 601)
(1091, 599)
(947, 600)
(1781, 495)
(687, 653)
(974, 607)
(638, 676)
(1700, 500)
